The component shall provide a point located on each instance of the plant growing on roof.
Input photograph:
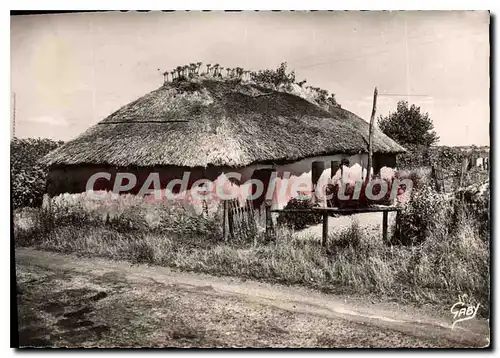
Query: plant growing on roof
(276, 77)
(172, 73)
(216, 67)
(208, 68)
(198, 65)
(332, 99)
(192, 69)
(322, 94)
(282, 79)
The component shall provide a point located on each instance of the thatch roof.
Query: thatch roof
(208, 122)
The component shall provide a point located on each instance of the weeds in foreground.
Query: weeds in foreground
(436, 271)
(445, 264)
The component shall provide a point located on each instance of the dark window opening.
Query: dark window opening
(335, 166)
(343, 163)
(317, 170)
(264, 175)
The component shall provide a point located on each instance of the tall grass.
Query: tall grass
(449, 260)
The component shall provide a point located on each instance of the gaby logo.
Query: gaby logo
(463, 311)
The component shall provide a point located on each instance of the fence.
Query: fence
(245, 221)
(459, 177)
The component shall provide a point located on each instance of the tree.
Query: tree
(27, 174)
(409, 126)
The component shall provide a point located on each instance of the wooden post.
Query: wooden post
(435, 177)
(385, 215)
(325, 229)
(252, 225)
(230, 221)
(370, 137)
(398, 226)
(269, 221)
(465, 164)
(224, 220)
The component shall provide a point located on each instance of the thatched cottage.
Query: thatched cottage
(210, 127)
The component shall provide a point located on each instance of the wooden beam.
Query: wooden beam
(385, 216)
(230, 220)
(332, 211)
(224, 220)
(325, 230)
(370, 137)
(463, 169)
(268, 222)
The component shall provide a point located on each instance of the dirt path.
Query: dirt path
(65, 300)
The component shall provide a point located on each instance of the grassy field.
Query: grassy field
(446, 253)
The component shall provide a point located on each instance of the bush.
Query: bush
(363, 200)
(27, 175)
(299, 220)
(417, 156)
(350, 237)
(276, 78)
(473, 204)
(426, 212)
(31, 226)
(132, 214)
(447, 157)
(419, 177)
(283, 80)
(429, 212)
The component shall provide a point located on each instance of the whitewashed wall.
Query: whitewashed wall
(300, 175)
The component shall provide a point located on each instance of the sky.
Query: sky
(69, 71)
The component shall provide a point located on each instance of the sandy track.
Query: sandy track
(65, 300)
